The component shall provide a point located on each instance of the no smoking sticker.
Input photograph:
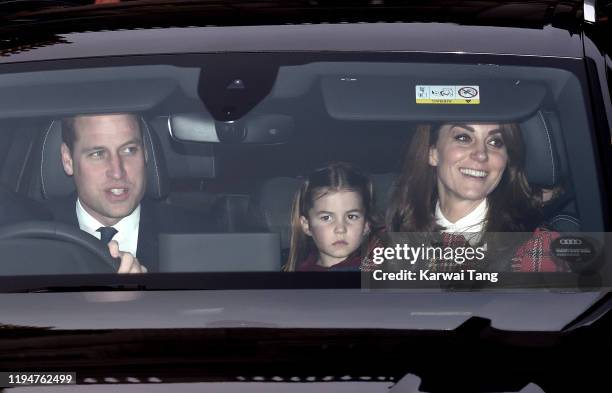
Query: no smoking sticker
(448, 94)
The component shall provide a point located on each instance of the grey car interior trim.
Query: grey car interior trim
(219, 252)
(581, 162)
(550, 147)
(42, 160)
(148, 141)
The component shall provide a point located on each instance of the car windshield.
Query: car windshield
(416, 170)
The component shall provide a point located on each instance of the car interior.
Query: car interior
(238, 153)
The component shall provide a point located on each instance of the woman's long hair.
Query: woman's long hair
(335, 177)
(512, 207)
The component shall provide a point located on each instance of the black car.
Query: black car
(348, 195)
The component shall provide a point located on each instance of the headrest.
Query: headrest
(275, 198)
(273, 204)
(55, 183)
(545, 162)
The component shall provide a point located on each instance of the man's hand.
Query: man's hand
(129, 263)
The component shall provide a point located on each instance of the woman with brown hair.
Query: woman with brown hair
(470, 179)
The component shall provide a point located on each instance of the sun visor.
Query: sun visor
(84, 97)
(253, 128)
(61, 92)
(407, 99)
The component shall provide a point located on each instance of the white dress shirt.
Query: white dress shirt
(471, 223)
(127, 228)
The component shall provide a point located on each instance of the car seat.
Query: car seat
(547, 168)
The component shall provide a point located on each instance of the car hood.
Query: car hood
(321, 308)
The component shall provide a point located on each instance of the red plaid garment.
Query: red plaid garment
(535, 254)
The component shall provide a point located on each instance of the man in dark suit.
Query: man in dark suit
(105, 156)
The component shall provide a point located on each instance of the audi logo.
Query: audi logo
(569, 242)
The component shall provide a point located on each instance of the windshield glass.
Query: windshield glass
(415, 170)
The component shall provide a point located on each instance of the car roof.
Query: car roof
(71, 13)
(418, 37)
(545, 28)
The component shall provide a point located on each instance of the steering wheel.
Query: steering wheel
(48, 230)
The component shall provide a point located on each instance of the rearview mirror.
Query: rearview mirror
(256, 129)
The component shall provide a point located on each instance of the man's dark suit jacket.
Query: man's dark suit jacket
(155, 218)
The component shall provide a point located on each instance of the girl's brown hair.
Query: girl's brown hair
(334, 177)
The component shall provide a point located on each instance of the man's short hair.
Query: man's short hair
(69, 130)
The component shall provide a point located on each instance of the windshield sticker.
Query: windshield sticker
(447, 94)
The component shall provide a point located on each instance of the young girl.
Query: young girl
(330, 218)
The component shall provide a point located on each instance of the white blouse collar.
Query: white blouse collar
(473, 222)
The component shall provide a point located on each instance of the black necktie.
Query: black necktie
(106, 234)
